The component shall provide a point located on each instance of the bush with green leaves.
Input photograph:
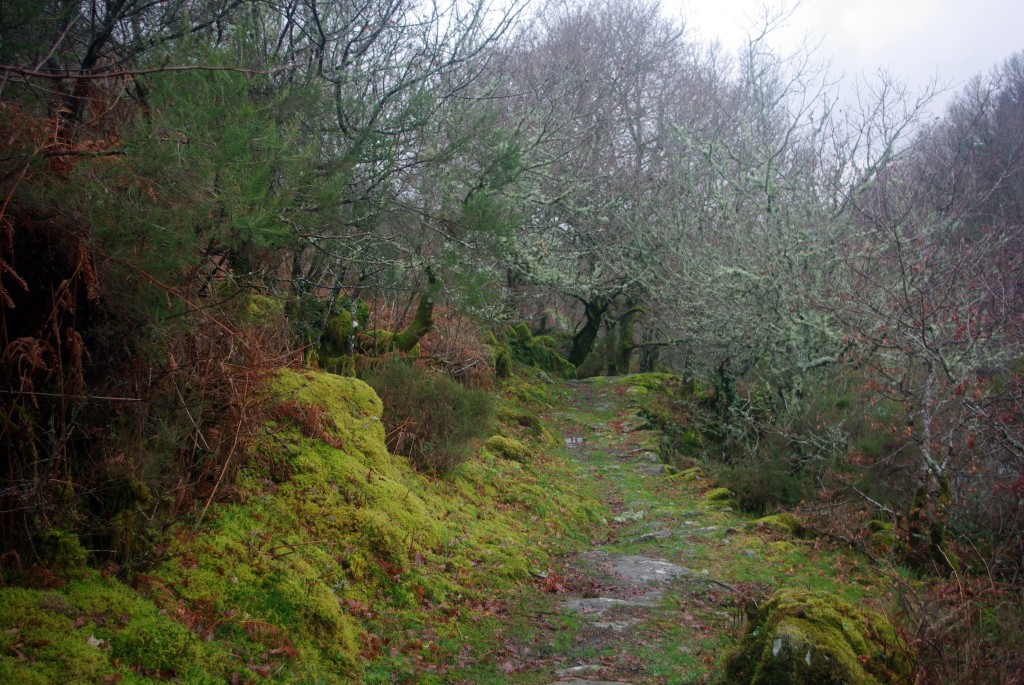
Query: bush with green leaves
(429, 417)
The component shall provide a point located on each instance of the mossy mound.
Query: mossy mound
(326, 534)
(722, 497)
(538, 351)
(98, 630)
(814, 638)
(651, 380)
(881, 534)
(694, 473)
(718, 495)
(507, 448)
(782, 523)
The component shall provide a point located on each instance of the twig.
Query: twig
(227, 462)
(23, 71)
(70, 397)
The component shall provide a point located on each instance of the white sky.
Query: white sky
(915, 40)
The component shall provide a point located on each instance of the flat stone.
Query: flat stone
(638, 569)
(578, 670)
(581, 681)
(656, 534)
(652, 469)
(615, 626)
(599, 605)
(649, 456)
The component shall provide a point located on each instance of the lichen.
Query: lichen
(814, 638)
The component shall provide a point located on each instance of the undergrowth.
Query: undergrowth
(430, 418)
(334, 560)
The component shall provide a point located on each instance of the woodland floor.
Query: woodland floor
(659, 594)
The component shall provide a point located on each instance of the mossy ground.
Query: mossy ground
(335, 561)
(699, 620)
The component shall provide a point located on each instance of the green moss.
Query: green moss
(316, 529)
(521, 333)
(810, 638)
(882, 534)
(651, 381)
(507, 448)
(539, 352)
(721, 497)
(62, 552)
(718, 495)
(694, 473)
(783, 523)
(261, 309)
(95, 629)
(502, 362)
(342, 364)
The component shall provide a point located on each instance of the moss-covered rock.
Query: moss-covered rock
(507, 448)
(718, 495)
(261, 309)
(814, 638)
(694, 473)
(782, 523)
(538, 351)
(882, 534)
(722, 497)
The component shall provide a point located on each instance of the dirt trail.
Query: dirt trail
(662, 592)
(641, 605)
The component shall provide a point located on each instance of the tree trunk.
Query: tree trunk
(583, 341)
(422, 323)
(618, 362)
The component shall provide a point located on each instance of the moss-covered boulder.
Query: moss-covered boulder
(722, 497)
(785, 523)
(538, 351)
(814, 638)
(507, 448)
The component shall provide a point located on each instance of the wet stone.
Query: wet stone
(637, 569)
(599, 605)
(578, 670)
(655, 535)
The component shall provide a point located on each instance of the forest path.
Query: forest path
(644, 603)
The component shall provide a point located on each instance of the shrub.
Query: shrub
(761, 487)
(429, 418)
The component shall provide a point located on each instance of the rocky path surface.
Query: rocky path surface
(663, 592)
(641, 605)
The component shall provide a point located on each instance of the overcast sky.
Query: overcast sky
(914, 39)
